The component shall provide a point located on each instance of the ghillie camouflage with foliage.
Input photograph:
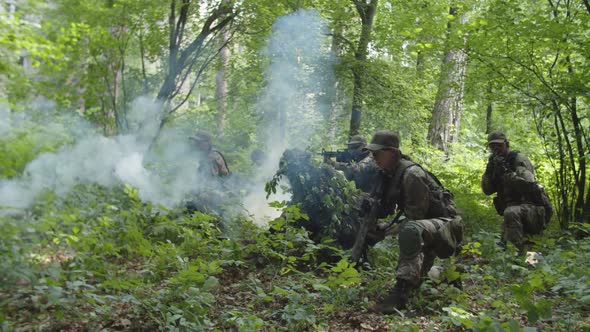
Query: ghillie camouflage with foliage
(331, 202)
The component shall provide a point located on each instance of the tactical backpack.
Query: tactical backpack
(441, 206)
(224, 161)
(535, 194)
(441, 199)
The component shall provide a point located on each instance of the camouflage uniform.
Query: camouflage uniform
(432, 228)
(512, 181)
(215, 165)
(426, 224)
(363, 174)
(210, 193)
(212, 161)
(362, 169)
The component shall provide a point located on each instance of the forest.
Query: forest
(108, 222)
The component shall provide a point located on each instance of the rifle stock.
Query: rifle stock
(369, 224)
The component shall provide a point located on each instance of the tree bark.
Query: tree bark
(336, 49)
(366, 11)
(448, 106)
(489, 109)
(221, 89)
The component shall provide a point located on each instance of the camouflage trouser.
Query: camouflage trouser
(520, 220)
(419, 246)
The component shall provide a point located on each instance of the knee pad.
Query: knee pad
(410, 240)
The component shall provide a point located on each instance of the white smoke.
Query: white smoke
(300, 67)
(95, 159)
(299, 59)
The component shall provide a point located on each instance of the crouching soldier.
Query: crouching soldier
(432, 227)
(525, 206)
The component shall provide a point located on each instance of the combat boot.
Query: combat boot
(397, 299)
(522, 248)
(502, 244)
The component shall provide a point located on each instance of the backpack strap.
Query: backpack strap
(398, 178)
(222, 157)
(401, 176)
(402, 171)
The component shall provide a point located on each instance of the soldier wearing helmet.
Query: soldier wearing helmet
(212, 162)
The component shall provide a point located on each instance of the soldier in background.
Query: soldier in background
(210, 194)
(212, 163)
(519, 199)
(258, 157)
(361, 168)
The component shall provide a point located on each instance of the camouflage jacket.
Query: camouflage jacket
(512, 178)
(215, 165)
(364, 173)
(412, 193)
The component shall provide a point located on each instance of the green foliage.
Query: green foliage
(21, 146)
(101, 259)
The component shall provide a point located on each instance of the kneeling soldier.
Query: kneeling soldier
(519, 199)
(432, 227)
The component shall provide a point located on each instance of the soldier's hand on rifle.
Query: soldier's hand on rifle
(367, 204)
(498, 166)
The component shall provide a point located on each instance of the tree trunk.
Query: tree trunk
(448, 106)
(579, 206)
(221, 81)
(366, 11)
(563, 211)
(188, 59)
(489, 122)
(336, 49)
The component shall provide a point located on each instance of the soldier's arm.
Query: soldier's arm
(416, 194)
(487, 180)
(523, 178)
(524, 168)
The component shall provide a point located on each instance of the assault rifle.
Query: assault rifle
(370, 231)
(342, 156)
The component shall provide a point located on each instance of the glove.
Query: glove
(367, 204)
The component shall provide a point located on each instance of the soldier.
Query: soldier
(361, 169)
(258, 157)
(510, 175)
(431, 227)
(212, 162)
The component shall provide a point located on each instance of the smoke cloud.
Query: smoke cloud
(299, 72)
(291, 104)
(96, 159)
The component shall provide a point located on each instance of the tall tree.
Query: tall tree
(221, 80)
(448, 106)
(221, 85)
(188, 59)
(366, 10)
